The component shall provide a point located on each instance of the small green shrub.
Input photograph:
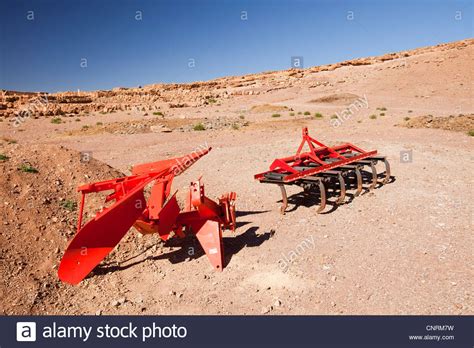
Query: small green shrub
(307, 113)
(68, 205)
(99, 124)
(383, 108)
(242, 117)
(3, 157)
(235, 126)
(300, 113)
(373, 117)
(292, 114)
(85, 127)
(318, 115)
(78, 120)
(199, 127)
(158, 113)
(406, 118)
(276, 115)
(382, 114)
(56, 120)
(471, 133)
(333, 116)
(26, 168)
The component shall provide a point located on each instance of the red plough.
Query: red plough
(323, 165)
(159, 214)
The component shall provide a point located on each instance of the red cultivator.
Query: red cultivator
(323, 165)
(160, 214)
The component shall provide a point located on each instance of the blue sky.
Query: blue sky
(45, 53)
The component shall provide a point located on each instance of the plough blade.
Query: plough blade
(210, 238)
(167, 217)
(99, 237)
(323, 165)
(161, 214)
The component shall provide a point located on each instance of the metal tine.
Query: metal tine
(346, 170)
(284, 196)
(386, 179)
(374, 176)
(359, 182)
(387, 171)
(322, 195)
(342, 191)
(340, 177)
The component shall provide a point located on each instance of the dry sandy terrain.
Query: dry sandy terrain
(403, 248)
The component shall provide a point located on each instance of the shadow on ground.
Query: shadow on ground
(190, 249)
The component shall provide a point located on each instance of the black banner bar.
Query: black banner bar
(236, 331)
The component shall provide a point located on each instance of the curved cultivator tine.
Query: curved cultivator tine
(359, 181)
(99, 237)
(342, 189)
(387, 172)
(322, 196)
(284, 198)
(374, 176)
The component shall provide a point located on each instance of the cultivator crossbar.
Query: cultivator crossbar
(323, 165)
(160, 214)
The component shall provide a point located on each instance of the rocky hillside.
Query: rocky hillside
(165, 96)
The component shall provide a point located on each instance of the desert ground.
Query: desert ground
(402, 248)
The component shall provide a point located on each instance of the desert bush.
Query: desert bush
(199, 127)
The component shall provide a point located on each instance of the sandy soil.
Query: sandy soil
(404, 248)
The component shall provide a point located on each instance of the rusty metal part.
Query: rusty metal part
(284, 199)
(359, 181)
(374, 176)
(322, 196)
(342, 189)
(387, 172)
